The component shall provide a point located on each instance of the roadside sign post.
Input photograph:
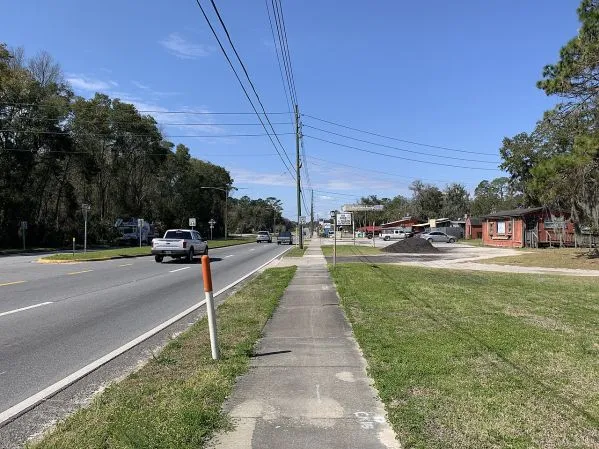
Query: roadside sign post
(373, 242)
(86, 208)
(23, 229)
(207, 276)
(73, 246)
(211, 223)
(140, 224)
(353, 230)
(302, 222)
(334, 216)
(192, 223)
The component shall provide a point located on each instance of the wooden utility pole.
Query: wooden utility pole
(299, 186)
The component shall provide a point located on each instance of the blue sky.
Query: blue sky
(454, 74)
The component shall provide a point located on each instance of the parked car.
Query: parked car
(285, 238)
(438, 236)
(263, 236)
(178, 243)
(390, 233)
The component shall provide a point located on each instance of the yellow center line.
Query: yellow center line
(12, 283)
(125, 265)
(79, 272)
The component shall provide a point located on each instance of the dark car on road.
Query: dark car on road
(285, 238)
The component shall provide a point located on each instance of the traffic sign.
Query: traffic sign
(302, 220)
(344, 219)
(140, 222)
(362, 208)
(192, 222)
(23, 225)
(211, 223)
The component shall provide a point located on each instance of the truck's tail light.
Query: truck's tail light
(184, 244)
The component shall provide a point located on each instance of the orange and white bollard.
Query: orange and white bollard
(207, 275)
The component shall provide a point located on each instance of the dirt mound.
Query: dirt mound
(411, 245)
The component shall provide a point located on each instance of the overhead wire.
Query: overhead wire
(400, 149)
(244, 70)
(399, 157)
(67, 133)
(395, 138)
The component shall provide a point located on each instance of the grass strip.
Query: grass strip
(135, 251)
(479, 360)
(351, 250)
(549, 258)
(175, 400)
(295, 252)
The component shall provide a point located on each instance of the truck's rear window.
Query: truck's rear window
(285, 234)
(178, 235)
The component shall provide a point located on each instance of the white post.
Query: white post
(207, 275)
(335, 240)
(353, 228)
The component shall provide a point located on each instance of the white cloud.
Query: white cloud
(83, 82)
(245, 176)
(140, 85)
(183, 49)
(325, 197)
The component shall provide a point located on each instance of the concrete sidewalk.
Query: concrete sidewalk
(307, 386)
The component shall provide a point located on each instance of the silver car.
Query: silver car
(263, 236)
(438, 236)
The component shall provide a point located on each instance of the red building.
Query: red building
(532, 227)
(474, 228)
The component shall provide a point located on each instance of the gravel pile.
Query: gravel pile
(411, 245)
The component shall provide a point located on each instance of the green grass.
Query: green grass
(295, 252)
(351, 250)
(175, 400)
(133, 251)
(549, 258)
(479, 360)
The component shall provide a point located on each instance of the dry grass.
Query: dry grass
(549, 258)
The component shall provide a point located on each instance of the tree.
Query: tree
(427, 200)
(456, 201)
(495, 195)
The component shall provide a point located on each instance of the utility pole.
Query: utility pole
(297, 171)
(312, 215)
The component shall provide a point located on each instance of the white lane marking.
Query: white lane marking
(230, 255)
(253, 249)
(26, 308)
(126, 265)
(20, 408)
(179, 269)
(79, 272)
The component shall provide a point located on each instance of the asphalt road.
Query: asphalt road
(55, 319)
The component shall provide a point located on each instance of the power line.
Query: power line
(395, 138)
(278, 58)
(67, 133)
(281, 28)
(399, 157)
(156, 111)
(109, 122)
(401, 149)
(167, 151)
(244, 71)
(374, 171)
(336, 193)
(243, 87)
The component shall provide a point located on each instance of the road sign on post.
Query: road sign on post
(140, 224)
(344, 219)
(302, 220)
(211, 223)
(23, 229)
(192, 223)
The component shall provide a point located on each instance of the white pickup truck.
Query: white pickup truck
(178, 243)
